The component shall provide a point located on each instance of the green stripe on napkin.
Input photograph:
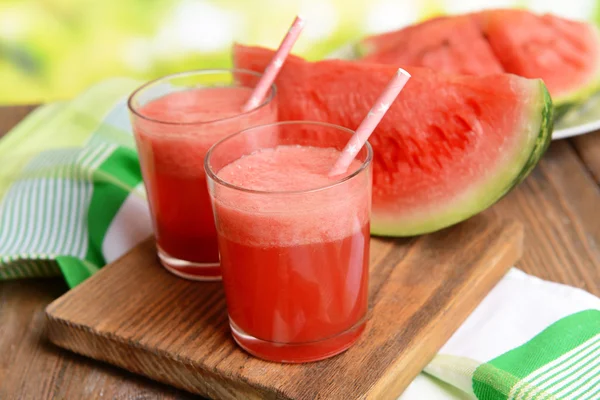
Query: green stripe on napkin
(563, 361)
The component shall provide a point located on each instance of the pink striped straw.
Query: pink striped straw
(265, 82)
(370, 122)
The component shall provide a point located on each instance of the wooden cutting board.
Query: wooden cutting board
(136, 315)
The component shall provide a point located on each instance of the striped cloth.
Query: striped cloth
(68, 170)
(72, 200)
(528, 339)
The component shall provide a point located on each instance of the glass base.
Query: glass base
(190, 270)
(295, 353)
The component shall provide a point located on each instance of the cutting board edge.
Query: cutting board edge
(146, 362)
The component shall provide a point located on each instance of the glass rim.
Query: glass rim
(135, 110)
(212, 175)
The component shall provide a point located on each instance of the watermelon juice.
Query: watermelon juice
(175, 120)
(294, 243)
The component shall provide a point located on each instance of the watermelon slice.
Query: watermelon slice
(564, 53)
(449, 146)
(453, 45)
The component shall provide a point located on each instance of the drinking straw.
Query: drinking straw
(274, 66)
(370, 122)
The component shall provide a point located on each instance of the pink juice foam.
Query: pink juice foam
(192, 121)
(287, 218)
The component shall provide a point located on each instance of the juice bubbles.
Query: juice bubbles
(175, 123)
(294, 243)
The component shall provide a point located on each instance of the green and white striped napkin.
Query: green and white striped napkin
(528, 339)
(72, 200)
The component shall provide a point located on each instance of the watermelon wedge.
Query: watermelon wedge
(453, 45)
(564, 53)
(449, 146)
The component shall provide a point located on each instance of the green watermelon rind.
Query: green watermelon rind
(564, 104)
(535, 141)
(360, 50)
(580, 95)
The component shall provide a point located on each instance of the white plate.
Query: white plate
(578, 121)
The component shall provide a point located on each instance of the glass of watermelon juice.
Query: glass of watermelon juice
(175, 120)
(294, 243)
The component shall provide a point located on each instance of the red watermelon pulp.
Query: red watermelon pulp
(564, 53)
(449, 146)
(453, 45)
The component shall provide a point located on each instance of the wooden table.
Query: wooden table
(559, 204)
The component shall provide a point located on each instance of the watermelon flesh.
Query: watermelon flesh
(448, 147)
(564, 53)
(453, 45)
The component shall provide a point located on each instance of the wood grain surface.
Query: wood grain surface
(136, 315)
(588, 149)
(562, 243)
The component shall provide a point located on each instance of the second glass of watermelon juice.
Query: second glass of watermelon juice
(176, 119)
(294, 243)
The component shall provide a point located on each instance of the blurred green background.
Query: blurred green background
(53, 49)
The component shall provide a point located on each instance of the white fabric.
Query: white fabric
(129, 227)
